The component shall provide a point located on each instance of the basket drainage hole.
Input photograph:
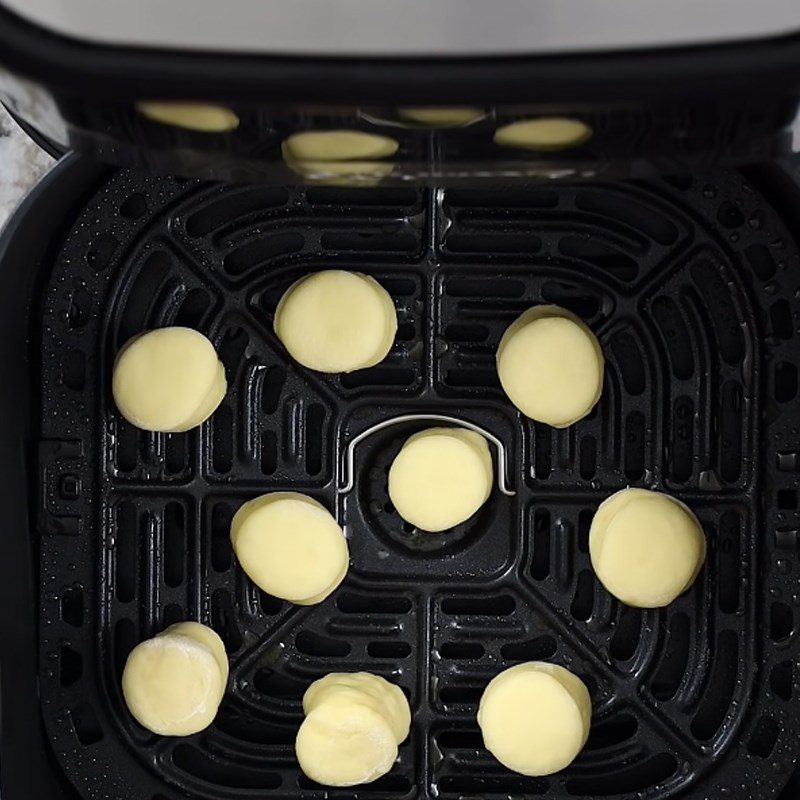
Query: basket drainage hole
(80, 308)
(787, 499)
(781, 680)
(85, 724)
(644, 774)
(389, 649)
(763, 739)
(781, 622)
(100, 253)
(72, 607)
(315, 644)
(134, 206)
(71, 664)
(785, 382)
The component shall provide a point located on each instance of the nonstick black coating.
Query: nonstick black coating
(690, 285)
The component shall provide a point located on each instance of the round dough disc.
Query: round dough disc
(372, 690)
(441, 117)
(168, 380)
(535, 717)
(290, 546)
(345, 743)
(646, 547)
(550, 365)
(172, 685)
(336, 321)
(545, 133)
(339, 145)
(191, 116)
(441, 477)
(207, 637)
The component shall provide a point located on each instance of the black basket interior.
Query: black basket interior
(692, 286)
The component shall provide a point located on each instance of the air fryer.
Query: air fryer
(670, 229)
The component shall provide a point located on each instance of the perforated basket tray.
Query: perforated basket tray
(691, 287)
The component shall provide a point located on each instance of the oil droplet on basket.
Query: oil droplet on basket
(783, 566)
(709, 190)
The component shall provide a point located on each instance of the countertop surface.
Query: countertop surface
(22, 163)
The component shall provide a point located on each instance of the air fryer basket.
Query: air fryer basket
(692, 286)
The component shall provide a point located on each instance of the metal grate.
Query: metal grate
(690, 286)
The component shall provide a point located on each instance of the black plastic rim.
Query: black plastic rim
(45, 142)
(116, 73)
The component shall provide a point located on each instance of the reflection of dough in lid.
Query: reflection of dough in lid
(202, 117)
(441, 117)
(544, 133)
(342, 173)
(340, 145)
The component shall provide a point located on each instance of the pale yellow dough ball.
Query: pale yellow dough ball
(550, 365)
(535, 717)
(441, 477)
(336, 321)
(646, 547)
(173, 683)
(354, 722)
(168, 380)
(343, 743)
(290, 546)
(364, 687)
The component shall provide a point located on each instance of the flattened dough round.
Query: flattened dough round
(431, 117)
(544, 133)
(364, 687)
(646, 547)
(336, 321)
(290, 546)
(173, 684)
(550, 365)
(337, 145)
(535, 717)
(168, 379)
(441, 477)
(345, 743)
(201, 117)
(208, 638)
